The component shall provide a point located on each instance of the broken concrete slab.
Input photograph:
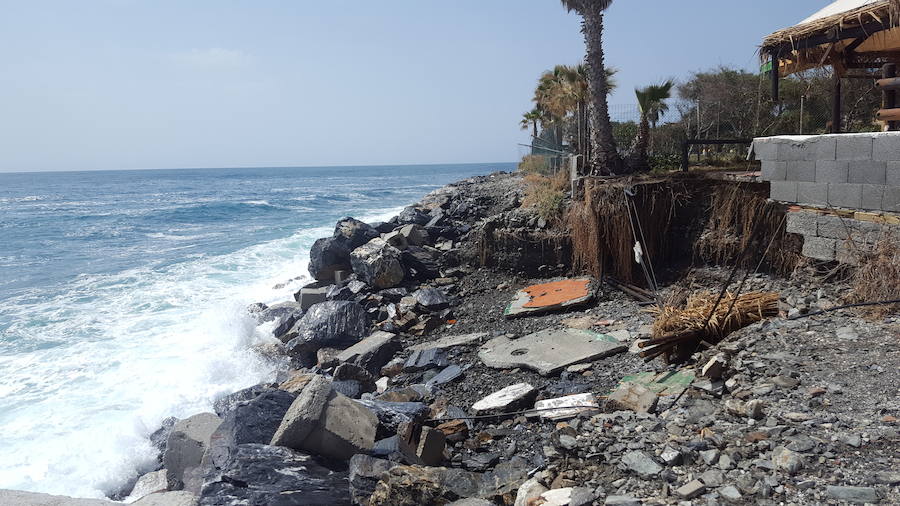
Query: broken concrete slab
(664, 383)
(561, 408)
(553, 296)
(449, 341)
(549, 351)
(505, 400)
(635, 397)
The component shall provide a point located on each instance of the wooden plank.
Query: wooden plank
(888, 114)
(889, 83)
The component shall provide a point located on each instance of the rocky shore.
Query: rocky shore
(416, 380)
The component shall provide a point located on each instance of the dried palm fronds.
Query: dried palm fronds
(878, 278)
(680, 329)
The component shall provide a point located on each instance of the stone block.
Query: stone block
(783, 191)
(832, 171)
(311, 294)
(824, 148)
(886, 147)
(833, 227)
(845, 195)
(795, 151)
(891, 200)
(801, 171)
(765, 148)
(892, 175)
(867, 172)
(820, 248)
(773, 170)
(872, 196)
(815, 194)
(187, 442)
(854, 147)
(801, 222)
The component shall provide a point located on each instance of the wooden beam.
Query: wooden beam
(890, 84)
(890, 115)
(774, 75)
(836, 105)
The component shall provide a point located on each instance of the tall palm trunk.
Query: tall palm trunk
(534, 127)
(638, 160)
(605, 158)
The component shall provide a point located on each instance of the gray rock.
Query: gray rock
(149, 483)
(373, 352)
(331, 324)
(412, 215)
(622, 500)
(327, 256)
(446, 375)
(392, 414)
(378, 264)
(365, 471)
(223, 405)
(420, 264)
(277, 311)
(581, 496)
(311, 294)
(730, 493)
(20, 498)
(431, 299)
(354, 233)
(255, 420)
(177, 498)
(786, 460)
(257, 474)
(186, 444)
(471, 501)
(414, 234)
(853, 494)
(641, 463)
(324, 422)
(289, 317)
(422, 360)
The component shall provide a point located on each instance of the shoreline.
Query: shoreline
(398, 360)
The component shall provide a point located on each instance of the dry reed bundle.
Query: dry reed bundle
(680, 329)
(886, 12)
(878, 278)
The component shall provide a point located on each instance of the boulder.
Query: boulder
(392, 414)
(333, 324)
(326, 423)
(223, 405)
(365, 471)
(422, 360)
(431, 299)
(21, 498)
(354, 233)
(420, 264)
(149, 483)
(396, 239)
(311, 294)
(277, 311)
(415, 235)
(417, 485)
(160, 436)
(373, 352)
(187, 442)
(352, 381)
(255, 420)
(378, 264)
(177, 498)
(412, 215)
(256, 474)
(327, 256)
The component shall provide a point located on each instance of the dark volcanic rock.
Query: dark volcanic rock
(352, 380)
(365, 471)
(256, 420)
(159, 437)
(354, 233)
(421, 360)
(431, 299)
(327, 255)
(392, 414)
(277, 311)
(378, 264)
(332, 324)
(412, 215)
(420, 264)
(225, 404)
(258, 474)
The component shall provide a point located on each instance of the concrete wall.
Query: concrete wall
(858, 172)
(851, 171)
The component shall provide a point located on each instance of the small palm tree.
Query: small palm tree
(652, 102)
(530, 119)
(604, 156)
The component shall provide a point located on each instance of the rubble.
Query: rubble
(548, 351)
(553, 296)
(508, 399)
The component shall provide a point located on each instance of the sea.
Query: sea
(123, 299)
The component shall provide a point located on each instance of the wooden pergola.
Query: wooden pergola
(853, 37)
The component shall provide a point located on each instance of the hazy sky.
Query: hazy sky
(110, 84)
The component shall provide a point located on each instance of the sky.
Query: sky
(129, 84)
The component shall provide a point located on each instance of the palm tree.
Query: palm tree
(530, 119)
(652, 102)
(604, 156)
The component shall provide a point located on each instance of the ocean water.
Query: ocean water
(123, 296)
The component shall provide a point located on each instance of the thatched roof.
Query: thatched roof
(845, 34)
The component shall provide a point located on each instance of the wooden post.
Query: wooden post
(889, 71)
(774, 76)
(685, 162)
(836, 105)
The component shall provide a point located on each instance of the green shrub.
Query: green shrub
(534, 164)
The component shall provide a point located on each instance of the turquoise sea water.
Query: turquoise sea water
(122, 297)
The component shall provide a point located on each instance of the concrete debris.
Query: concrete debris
(548, 351)
(449, 341)
(635, 397)
(559, 408)
(508, 399)
(554, 296)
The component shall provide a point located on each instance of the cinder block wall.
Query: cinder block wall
(859, 172)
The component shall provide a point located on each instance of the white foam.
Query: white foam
(113, 355)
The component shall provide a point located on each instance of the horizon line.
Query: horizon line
(250, 167)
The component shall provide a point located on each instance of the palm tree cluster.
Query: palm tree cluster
(560, 101)
(652, 103)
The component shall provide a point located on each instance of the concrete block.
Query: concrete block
(853, 147)
(845, 195)
(892, 175)
(820, 248)
(795, 151)
(765, 148)
(801, 171)
(891, 200)
(824, 148)
(815, 194)
(784, 191)
(868, 233)
(867, 172)
(886, 147)
(311, 294)
(774, 170)
(872, 195)
(834, 227)
(832, 171)
(801, 222)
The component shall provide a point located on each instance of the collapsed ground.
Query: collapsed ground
(800, 411)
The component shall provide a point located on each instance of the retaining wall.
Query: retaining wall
(832, 176)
